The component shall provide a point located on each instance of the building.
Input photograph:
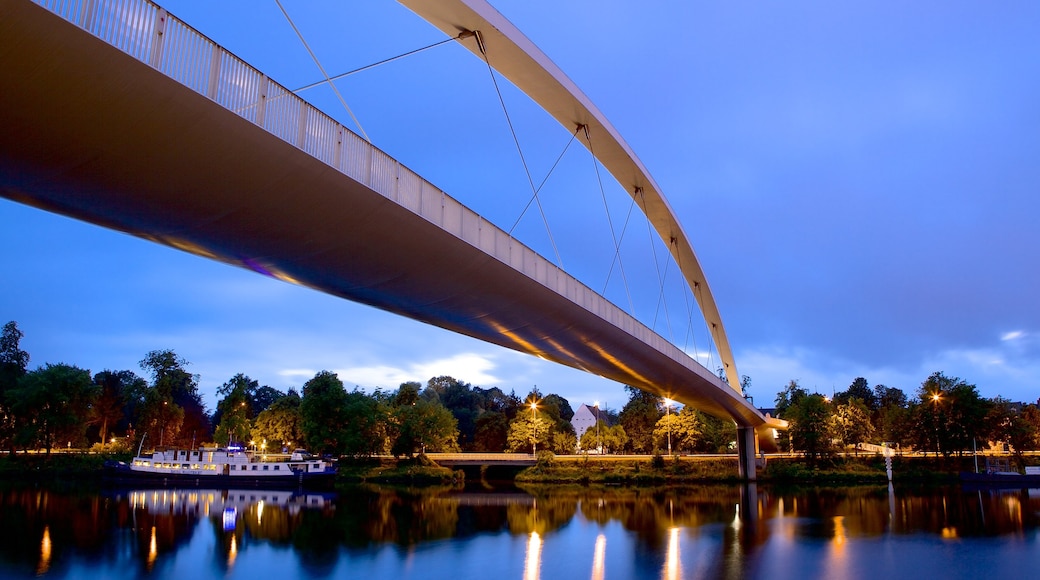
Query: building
(585, 418)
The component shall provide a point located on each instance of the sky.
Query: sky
(858, 180)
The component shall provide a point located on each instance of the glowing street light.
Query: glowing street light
(534, 418)
(599, 449)
(667, 411)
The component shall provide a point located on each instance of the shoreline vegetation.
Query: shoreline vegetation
(585, 470)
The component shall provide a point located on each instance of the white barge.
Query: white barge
(226, 467)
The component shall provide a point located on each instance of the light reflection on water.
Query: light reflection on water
(696, 532)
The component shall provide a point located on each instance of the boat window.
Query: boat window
(265, 467)
(254, 468)
(276, 467)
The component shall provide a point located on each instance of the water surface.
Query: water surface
(614, 532)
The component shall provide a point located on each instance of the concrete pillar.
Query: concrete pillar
(747, 450)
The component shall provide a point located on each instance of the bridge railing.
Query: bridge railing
(151, 35)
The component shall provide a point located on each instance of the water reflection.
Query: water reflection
(729, 532)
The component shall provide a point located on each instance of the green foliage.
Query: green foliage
(717, 435)
(851, 422)
(527, 431)
(948, 415)
(639, 416)
(492, 432)
(424, 426)
(235, 410)
(54, 402)
(178, 390)
(683, 427)
(280, 424)
(340, 423)
(810, 420)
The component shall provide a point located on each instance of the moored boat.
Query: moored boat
(210, 465)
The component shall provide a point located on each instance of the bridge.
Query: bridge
(116, 113)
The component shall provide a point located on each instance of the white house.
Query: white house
(585, 419)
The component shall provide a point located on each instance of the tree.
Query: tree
(810, 426)
(492, 432)
(13, 364)
(785, 399)
(54, 402)
(424, 426)
(851, 422)
(639, 416)
(529, 430)
(948, 415)
(177, 391)
(235, 410)
(324, 412)
(717, 435)
(859, 389)
(264, 397)
(110, 409)
(280, 424)
(683, 427)
(1013, 426)
(614, 438)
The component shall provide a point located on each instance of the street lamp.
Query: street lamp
(935, 399)
(599, 449)
(534, 419)
(667, 413)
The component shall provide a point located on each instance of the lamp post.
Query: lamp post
(534, 421)
(599, 449)
(935, 399)
(667, 413)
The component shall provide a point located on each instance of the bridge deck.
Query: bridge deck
(258, 179)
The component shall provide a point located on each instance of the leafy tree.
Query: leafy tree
(948, 415)
(683, 427)
(593, 436)
(614, 438)
(639, 416)
(424, 426)
(851, 422)
(235, 410)
(325, 416)
(564, 442)
(280, 424)
(177, 390)
(264, 397)
(160, 418)
(785, 399)
(717, 435)
(111, 409)
(1013, 426)
(54, 401)
(810, 426)
(859, 389)
(13, 364)
(528, 430)
(492, 432)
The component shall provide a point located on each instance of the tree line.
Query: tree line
(946, 415)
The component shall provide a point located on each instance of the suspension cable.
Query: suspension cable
(463, 34)
(610, 222)
(545, 179)
(617, 257)
(516, 141)
(653, 248)
(322, 69)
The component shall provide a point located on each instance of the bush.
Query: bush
(657, 461)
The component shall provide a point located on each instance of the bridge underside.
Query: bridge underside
(97, 135)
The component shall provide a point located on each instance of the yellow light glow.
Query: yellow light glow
(598, 557)
(533, 562)
(936, 397)
(153, 550)
(672, 562)
(45, 552)
(232, 551)
(840, 536)
(259, 512)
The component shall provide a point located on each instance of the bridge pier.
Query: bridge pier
(747, 450)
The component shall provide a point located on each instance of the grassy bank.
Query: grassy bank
(416, 471)
(56, 466)
(659, 470)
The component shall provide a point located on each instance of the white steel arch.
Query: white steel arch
(518, 59)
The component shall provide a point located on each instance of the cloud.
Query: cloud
(1013, 335)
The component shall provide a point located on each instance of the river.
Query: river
(499, 534)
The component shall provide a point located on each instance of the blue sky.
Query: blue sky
(859, 181)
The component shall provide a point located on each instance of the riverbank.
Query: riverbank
(550, 469)
(658, 470)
